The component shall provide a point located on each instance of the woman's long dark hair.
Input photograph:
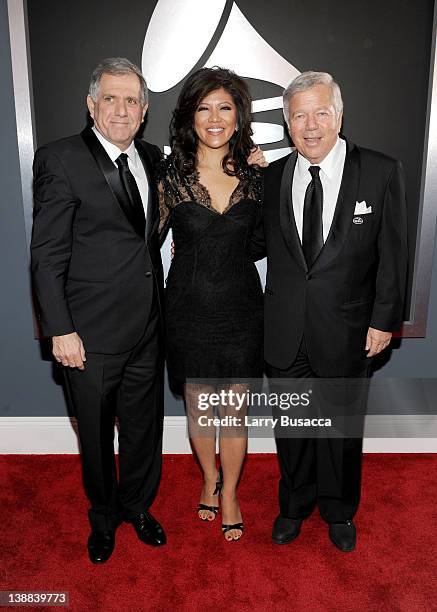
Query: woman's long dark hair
(183, 138)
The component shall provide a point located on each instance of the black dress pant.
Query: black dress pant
(317, 471)
(128, 386)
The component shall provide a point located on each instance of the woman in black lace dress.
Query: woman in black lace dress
(212, 198)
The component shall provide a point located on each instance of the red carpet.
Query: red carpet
(394, 567)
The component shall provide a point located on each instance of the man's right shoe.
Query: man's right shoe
(285, 529)
(148, 529)
(343, 535)
(100, 545)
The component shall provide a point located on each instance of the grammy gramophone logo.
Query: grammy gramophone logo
(182, 36)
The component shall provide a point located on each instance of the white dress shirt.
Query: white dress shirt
(134, 162)
(331, 172)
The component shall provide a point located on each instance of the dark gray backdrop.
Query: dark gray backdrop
(27, 385)
(378, 51)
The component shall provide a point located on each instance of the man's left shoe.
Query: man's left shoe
(100, 545)
(285, 529)
(148, 529)
(343, 535)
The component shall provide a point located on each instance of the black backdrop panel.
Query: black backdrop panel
(379, 52)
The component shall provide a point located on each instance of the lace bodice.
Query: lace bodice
(174, 189)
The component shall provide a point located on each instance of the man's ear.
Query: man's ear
(90, 104)
(339, 122)
(145, 107)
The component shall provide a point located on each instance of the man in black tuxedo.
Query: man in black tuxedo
(98, 278)
(335, 238)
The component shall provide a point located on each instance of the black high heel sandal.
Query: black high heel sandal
(226, 528)
(213, 509)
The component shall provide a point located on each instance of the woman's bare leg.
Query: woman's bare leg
(203, 441)
(233, 447)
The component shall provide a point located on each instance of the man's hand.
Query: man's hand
(377, 341)
(256, 158)
(69, 351)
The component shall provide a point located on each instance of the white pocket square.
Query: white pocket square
(361, 208)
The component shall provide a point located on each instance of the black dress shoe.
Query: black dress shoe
(100, 545)
(285, 529)
(343, 535)
(148, 529)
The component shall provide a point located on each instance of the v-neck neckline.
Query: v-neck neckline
(208, 198)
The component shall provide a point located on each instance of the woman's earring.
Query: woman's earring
(236, 128)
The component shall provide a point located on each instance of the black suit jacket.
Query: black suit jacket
(358, 279)
(93, 271)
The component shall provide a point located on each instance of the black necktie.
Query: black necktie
(131, 188)
(312, 233)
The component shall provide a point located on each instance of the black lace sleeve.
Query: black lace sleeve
(255, 188)
(164, 212)
(168, 193)
(255, 183)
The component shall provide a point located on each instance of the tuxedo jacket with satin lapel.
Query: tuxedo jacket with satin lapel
(93, 270)
(358, 279)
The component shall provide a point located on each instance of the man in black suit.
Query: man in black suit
(335, 237)
(98, 278)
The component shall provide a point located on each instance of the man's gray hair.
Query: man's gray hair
(116, 66)
(305, 81)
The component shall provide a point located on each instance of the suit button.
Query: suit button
(308, 277)
(148, 274)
